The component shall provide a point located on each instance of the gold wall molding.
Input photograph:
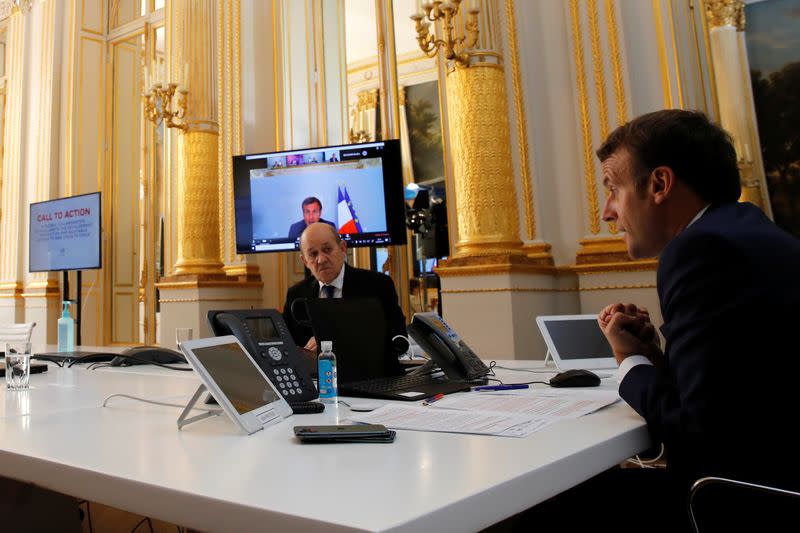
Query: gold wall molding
(612, 267)
(597, 65)
(725, 13)
(195, 300)
(602, 250)
(522, 123)
(198, 210)
(205, 282)
(586, 130)
(616, 63)
(12, 177)
(663, 60)
(549, 289)
(479, 131)
(508, 263)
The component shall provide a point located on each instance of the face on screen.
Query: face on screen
(321, 253)
(312, 213)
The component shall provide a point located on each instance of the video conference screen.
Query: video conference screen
(357, 189)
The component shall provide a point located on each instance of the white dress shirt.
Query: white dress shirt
(337, 283)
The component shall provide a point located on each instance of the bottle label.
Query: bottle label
(327, 379)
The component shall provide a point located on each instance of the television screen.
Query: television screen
(356, 188)
(65, 234)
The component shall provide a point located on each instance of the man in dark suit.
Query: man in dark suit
(728, 287)
(312, 212)
(323, 252)
(729, 294)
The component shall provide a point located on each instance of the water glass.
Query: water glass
(181, 335)
(18, 365)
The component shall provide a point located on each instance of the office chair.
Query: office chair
(722, 504)
(15, 333)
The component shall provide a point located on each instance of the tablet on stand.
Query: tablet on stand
(238, 384)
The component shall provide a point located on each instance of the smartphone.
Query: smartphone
(345, 433)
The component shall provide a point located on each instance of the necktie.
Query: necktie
(327, 290)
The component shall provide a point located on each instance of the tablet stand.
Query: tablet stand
(548, 357)
(183, 421)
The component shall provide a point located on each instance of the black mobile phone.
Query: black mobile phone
(345, 433)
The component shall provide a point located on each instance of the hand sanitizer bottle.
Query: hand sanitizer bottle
(66, 331)
(326, 368)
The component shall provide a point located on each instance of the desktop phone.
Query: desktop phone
(445, 347)
(265, 335)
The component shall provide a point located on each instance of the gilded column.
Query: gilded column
(198, 182)
(390, 125)
(204, 59)
(477, 108)
(230, 119)
(726, 25)
(11, 178)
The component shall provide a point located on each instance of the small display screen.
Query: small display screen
(262, 327)
(237, 376)
(579, 339)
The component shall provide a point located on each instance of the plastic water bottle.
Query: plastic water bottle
(66, 331)
(326, 379)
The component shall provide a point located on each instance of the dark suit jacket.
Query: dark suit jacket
(726, 399)
(357, 283)
(296, 229)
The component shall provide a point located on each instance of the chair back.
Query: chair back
(15, 333)
(722, 504)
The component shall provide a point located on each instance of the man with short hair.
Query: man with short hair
(312, 212)
(322, 251)
(729, 294)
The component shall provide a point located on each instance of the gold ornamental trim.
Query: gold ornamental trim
(191, 300)
(597, 64)
(725, 13)
(204, 282)
(611, 267)
(616, 63)
(508, 263)
(549, 289)
(522, 123)
(663, 61)
(588, 152)
(602, 250)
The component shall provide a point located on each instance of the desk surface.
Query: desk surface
(211, 477)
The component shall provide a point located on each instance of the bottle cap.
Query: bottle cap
(66, 309)
(327, 346)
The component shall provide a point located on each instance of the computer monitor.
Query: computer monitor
(356, 188)
(65, 234)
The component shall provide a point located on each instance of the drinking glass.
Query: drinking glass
(18, 365)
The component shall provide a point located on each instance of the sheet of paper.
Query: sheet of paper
(452, 421)
(557, 406)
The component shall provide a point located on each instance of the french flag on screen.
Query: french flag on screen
(348, 221)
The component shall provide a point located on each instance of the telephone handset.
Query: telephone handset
(265, 335)
(446, 348)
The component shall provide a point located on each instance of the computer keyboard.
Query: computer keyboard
(388, 384)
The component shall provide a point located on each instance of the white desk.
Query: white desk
(210, 477)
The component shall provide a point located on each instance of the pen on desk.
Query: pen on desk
(433, 398)
(499, 387)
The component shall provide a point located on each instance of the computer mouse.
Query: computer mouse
(361, 407)
(576, 377)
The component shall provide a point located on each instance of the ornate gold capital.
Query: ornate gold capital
(725, 13)
(602, 250)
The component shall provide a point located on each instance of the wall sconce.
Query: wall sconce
(158, 104)
(454, 47)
